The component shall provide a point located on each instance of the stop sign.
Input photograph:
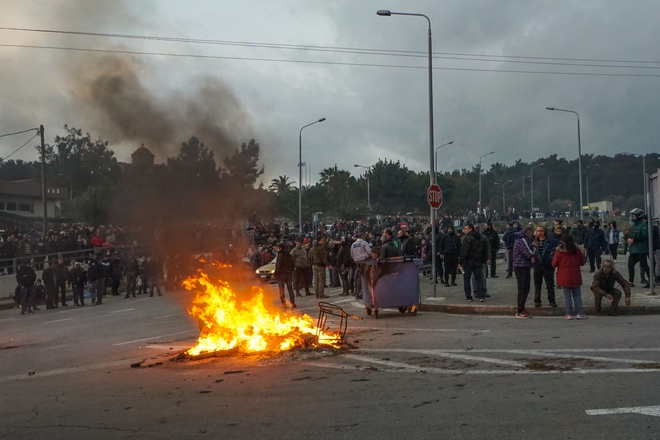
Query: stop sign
(434, 196)
(403, 226)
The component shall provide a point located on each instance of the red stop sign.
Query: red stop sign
(403, 226)
(434, 196)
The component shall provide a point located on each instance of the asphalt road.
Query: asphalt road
(426, 376)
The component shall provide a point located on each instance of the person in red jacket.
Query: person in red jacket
(568, 260)
(97, 240)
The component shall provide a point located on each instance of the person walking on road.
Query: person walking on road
(568, 260)
(471, 261)
(612, 238)
(449, 249)
(524, 257)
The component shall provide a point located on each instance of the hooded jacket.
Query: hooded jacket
(639, 232)
(568, 267)
(472, 249)
(523, 251)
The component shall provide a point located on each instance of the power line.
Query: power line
(12, 153)
(365, 51)
(335, 63)
(18, 132)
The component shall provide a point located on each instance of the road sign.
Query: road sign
(434, 196)
(403, 226)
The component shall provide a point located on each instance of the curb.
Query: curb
(464, 309)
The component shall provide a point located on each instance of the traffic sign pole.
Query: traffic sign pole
(434, 197)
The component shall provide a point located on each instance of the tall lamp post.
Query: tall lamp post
(524, 178)
(531, 187)
(368, 168)
(436, 157)
(503, 195)
(481, 157)
(647, 210)
(579, 153)
(300, 226)
(387, 13)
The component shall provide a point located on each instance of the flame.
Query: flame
(227, 323)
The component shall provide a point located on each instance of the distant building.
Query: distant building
(22, 199)
(141, 158)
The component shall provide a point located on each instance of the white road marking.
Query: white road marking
(167, 316)
(154, 337)
(58, 320)
(8, 319)
(645, 410)
(62, 371)
(593, 358)
(123, 310)
(442, 353)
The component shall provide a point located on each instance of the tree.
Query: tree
(281, 185)
(19, 170)
(195, 165)
(75, 160)
(242, 168)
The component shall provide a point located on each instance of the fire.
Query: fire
(227, 323)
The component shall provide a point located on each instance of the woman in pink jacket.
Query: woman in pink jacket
(568, 260)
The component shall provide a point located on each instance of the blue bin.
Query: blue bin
(392, 283)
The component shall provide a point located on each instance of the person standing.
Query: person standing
(613, 240)
(61, 273)
(301, 265)
(638, 246)
(319, 263)
(524, 257)
(449, 249)
(543, 269)
(471, 260)
(26, 277)
(344, 262)
(568, 260)
(360, 251)
(93, 281)
(284, 274)
(494, 241)
(77, 279)
(509, 239)
(579, 233)
(132, 272)
(117, 274)
(595, 244)
(48, 278)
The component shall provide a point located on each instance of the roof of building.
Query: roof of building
(32, 188)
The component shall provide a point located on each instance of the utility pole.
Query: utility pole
(43, 180)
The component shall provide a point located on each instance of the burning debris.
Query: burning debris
(235, 319)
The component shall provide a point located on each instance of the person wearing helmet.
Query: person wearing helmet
(638, 246)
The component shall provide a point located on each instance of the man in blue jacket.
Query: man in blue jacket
(509, 239)
(543, 269)
(596, 244)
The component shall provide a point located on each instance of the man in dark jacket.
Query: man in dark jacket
(449, 249)
(494, 240)
(61, 273)
(639, 247)
(48, 278)
(543, 269)
(284, 273)
(471, 260)
(105, 276)
(132, 272)
(579, 234)
(344, 263)
(596, 244)
(26, 277)
(509, 239)
(93, 282)
(117, 274)
(388, 250)
(319, 263)
(77, 279)
(603, 286)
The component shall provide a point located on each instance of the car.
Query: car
(266, 273)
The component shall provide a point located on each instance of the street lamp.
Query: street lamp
(387, 13)
(436, 157)
(579, 153)
(300, 226)
(368, 168)
(647, 209)
(525, 177)
(503, 195)
(531, 186)
(481, 157)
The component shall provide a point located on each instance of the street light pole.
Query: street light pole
(481, 157)
(525, 177)
(579, 153)
(436, 157)
(531, 187)
(503, 195)
(387, 13)
(368, 168)
(300, 226)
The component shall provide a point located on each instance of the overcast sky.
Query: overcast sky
(482, 102)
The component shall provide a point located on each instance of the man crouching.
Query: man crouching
(603, 286)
